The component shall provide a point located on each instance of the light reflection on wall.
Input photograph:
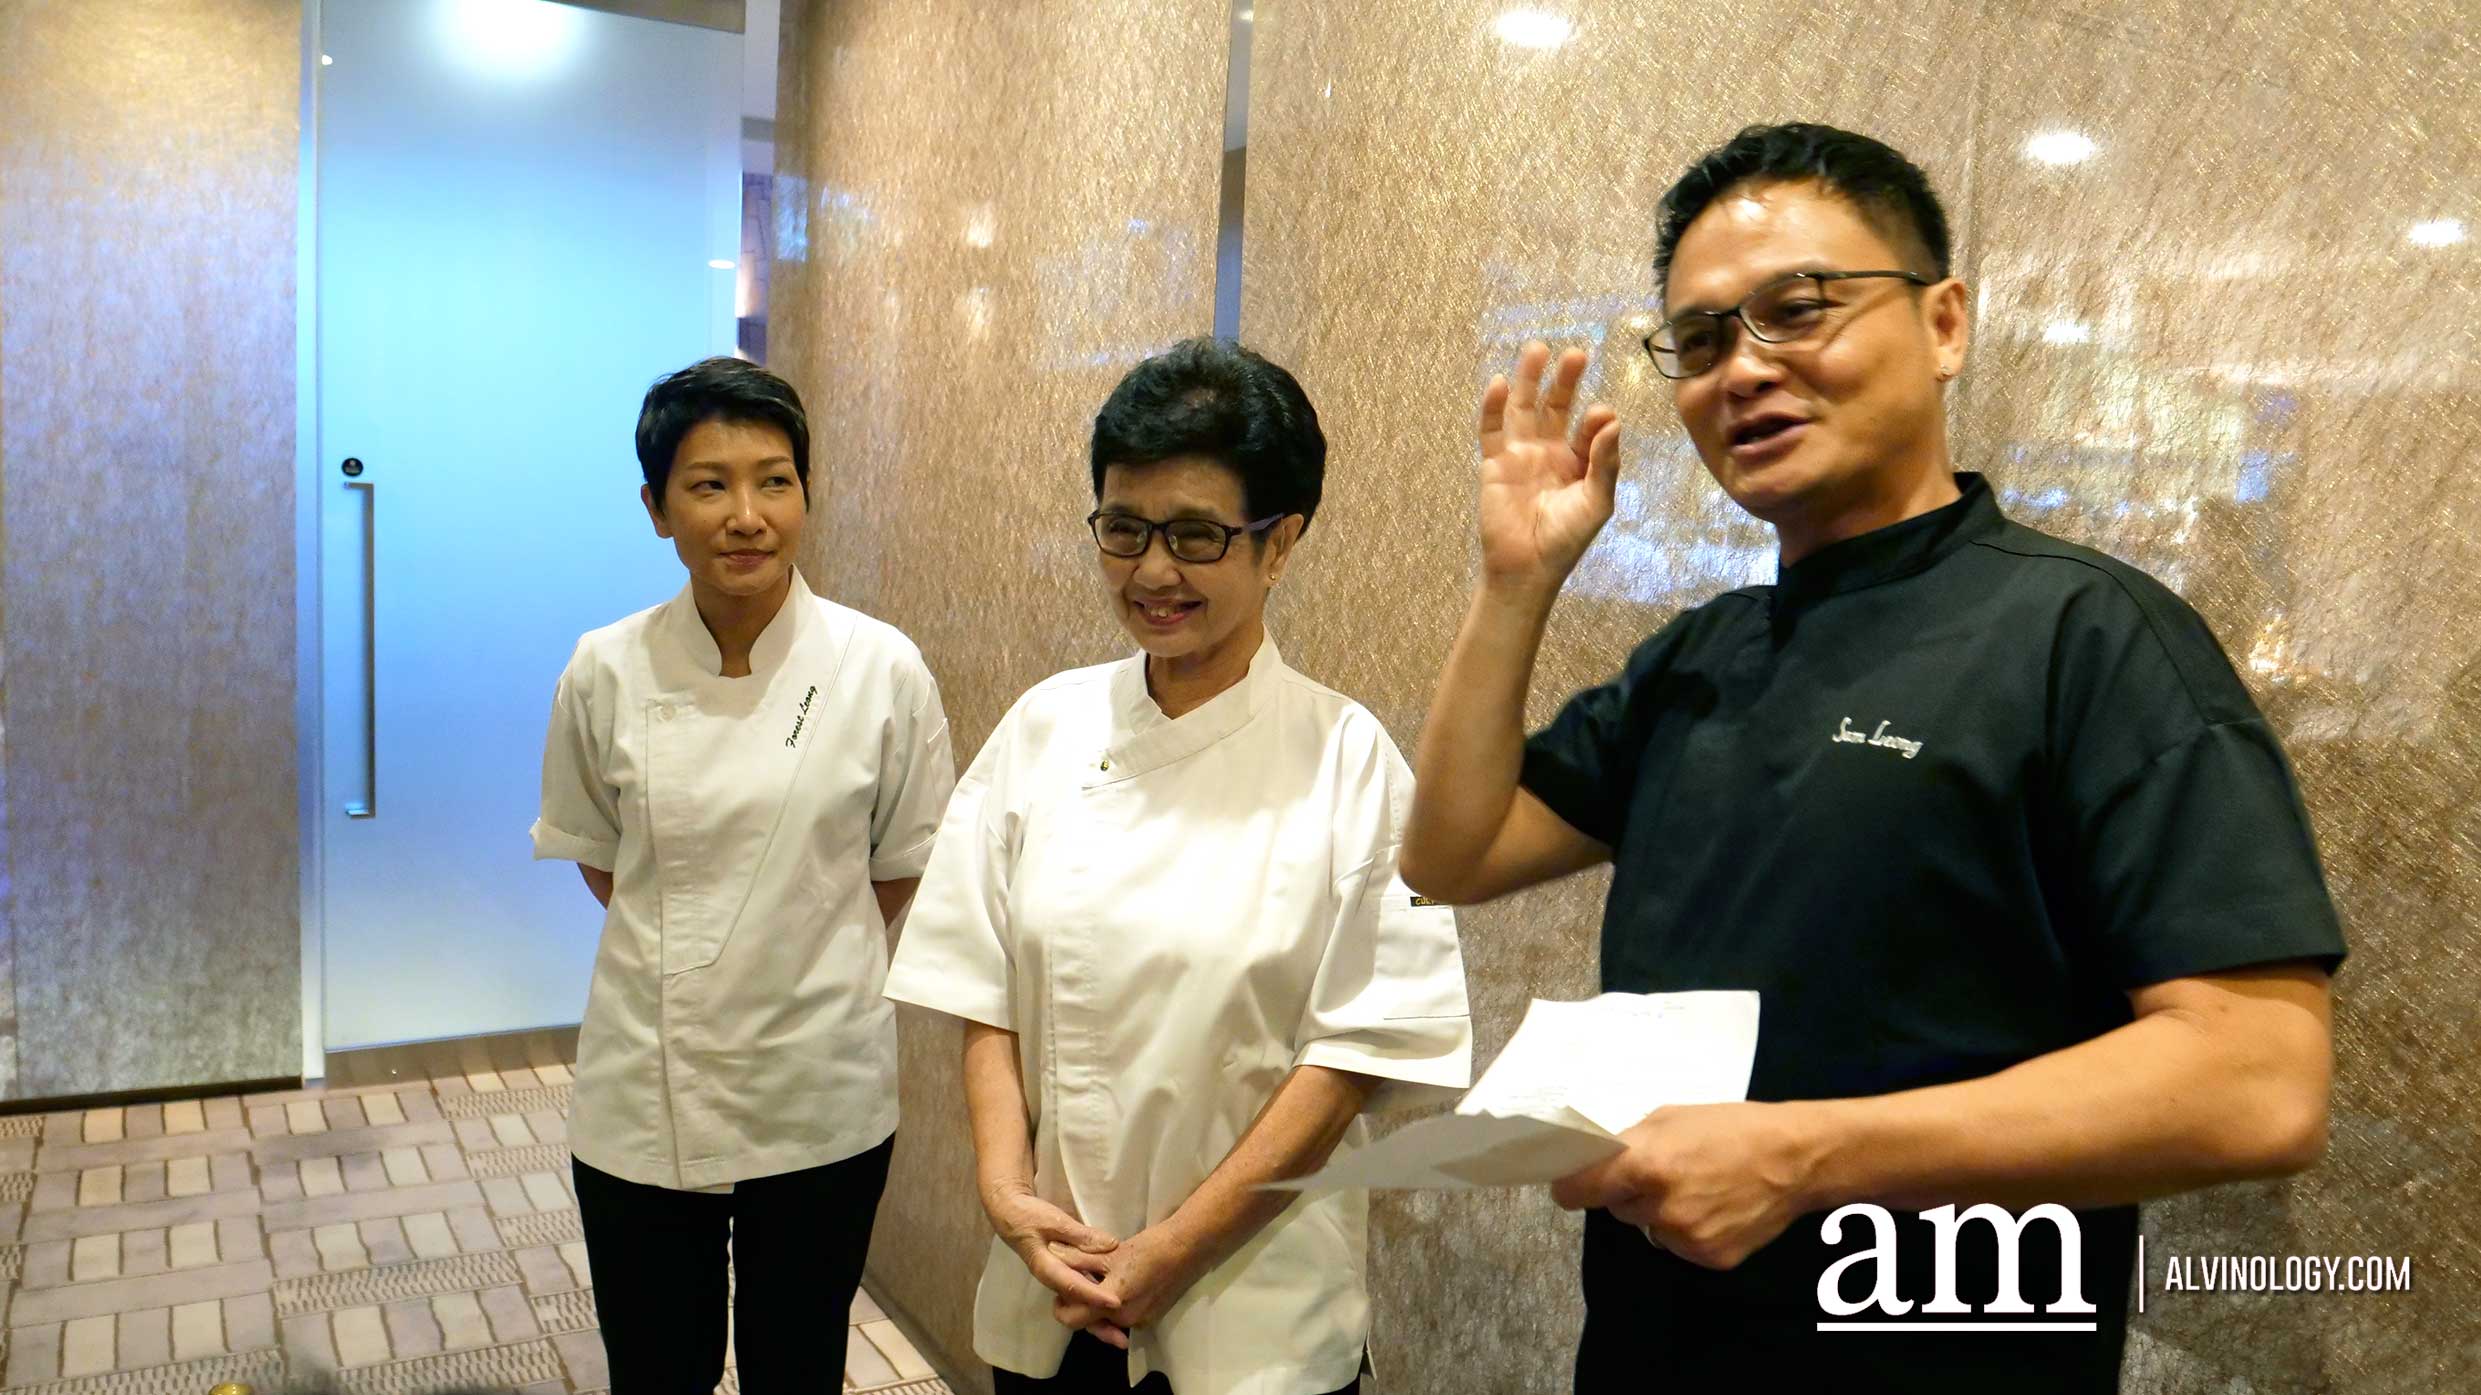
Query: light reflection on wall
(1086, 292)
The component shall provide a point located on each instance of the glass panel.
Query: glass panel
(518, 205)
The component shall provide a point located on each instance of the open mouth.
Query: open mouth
(1760, 431)
(1165, 614)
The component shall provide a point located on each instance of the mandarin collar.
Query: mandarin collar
(765, 655)
(1144, 739)
(1891, 553)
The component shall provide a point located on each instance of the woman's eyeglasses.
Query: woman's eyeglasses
(1194, 540)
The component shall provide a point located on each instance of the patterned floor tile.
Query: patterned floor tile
(406, 1237)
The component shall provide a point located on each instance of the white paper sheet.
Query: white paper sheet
(1572, 1078)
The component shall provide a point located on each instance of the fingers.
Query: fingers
(1082, 1260)
(1084, 1237)
(1053, 1223)
(1082, 1317)
(1642, 1212)
(1552, 421)
(1528, 385)
(1599, 443)
(1493, 426)
(1605, 1184)
(1611, 1185)
(1068, 1283)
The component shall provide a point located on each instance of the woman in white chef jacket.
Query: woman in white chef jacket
(1165, 903)
(749, 777)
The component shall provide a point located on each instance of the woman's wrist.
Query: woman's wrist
(998, 1192)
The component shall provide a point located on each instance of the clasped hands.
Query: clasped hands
(1100, 1284)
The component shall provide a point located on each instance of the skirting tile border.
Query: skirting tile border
(420, 1062)
(18, 1118)
(180, 1378)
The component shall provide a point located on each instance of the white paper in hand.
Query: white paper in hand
(1573, 1077)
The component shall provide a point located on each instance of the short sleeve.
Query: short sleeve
(2192, 849)
(916, 774)
(1388, 998)
(955, 957)
(580, 816)
(1583, 766)
(2202, 861)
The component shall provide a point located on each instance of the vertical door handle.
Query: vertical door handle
(368, 805)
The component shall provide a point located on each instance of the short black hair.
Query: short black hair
(1214, 398)
(1889, 190)
(717, 389)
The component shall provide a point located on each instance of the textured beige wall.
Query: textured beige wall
(985, 214)
(148, 893)
(2273, 412)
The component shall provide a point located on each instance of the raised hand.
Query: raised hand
(1546, 489)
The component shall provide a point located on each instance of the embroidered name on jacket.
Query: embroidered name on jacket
(802, 716)
(1844, 732)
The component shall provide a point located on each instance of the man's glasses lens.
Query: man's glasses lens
(1786, 310)
(1781, 312)
(1686, 344)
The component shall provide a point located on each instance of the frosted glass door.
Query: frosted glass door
(517, 207)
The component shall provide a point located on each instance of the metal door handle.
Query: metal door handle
(368, 805)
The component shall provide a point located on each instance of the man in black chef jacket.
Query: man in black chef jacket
(2015, 865)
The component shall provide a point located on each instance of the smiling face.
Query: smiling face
(733, 507)
(1829, 436)
(1190, 612)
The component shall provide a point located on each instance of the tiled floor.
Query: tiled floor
(408, 1236)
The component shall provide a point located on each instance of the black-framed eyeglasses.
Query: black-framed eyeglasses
(1783, 311)
(1194, 540)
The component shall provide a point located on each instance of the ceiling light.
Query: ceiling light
(514, 38)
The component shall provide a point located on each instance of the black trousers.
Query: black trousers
(1094, 1367)
(794, 1244)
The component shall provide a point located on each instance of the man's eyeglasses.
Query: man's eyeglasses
(1194, 540)
(1783, 311)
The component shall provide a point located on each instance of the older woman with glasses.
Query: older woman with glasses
(1164, 902)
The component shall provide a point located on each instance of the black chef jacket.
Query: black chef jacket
(1943, 795)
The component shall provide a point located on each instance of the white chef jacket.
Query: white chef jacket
(735, 1027)
(1171, 915)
